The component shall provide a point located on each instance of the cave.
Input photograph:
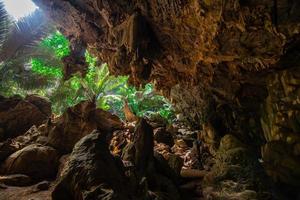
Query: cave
(229, 68)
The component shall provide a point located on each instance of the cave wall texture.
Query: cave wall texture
(230, 66)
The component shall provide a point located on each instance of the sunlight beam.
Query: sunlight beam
(19, 8)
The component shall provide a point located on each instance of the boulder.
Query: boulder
(143, 147)
(236, 173)
(37, 161)
(8, 103)
(41, 102)
(151, 168)
(92, 173)
(176, 163)
(170, 170)
(280, 163)
(32, 136)
(6, 148)
(77, 122)
(18, 115)
(106, 121)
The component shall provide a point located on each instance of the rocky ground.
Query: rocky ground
(90, 154)
(87, 153)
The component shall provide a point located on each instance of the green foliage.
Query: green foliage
(146, 103)
(5, 23)
(66, 95)
(58, 43)
(40, 67)
(110, 92)
(96, 84)
(26, 64)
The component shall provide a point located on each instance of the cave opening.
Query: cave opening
(19, 9)
(149, 100)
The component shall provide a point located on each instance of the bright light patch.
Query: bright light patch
(19, 8)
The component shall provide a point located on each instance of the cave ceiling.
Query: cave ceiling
(198, 53)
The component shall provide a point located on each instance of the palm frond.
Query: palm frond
(5, 23)
(25, 34)
(14, 72)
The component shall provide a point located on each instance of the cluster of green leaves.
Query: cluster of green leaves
(145, 102)
(18, 45)
(40, 67)
(110, 92)
(57, 46)
(58, 43)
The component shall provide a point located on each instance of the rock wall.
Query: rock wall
(17, 115)
(226, 64)
(210, 51)
(281, 126)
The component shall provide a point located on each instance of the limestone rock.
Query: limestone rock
(170, 170)
(77, 122)
(236, 173)
(35, 160)
(41, 102)
(92, 173)
(176, 163)
(280, 123)
(32, 136)
(212, 58)
(280, 163)
(106, 121)
(6, 148)
(75, 62)
(150, 167)
(62, 163)
(18, 115)
(143, 145)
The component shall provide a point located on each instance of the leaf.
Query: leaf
(25, 34)
(5, 23)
